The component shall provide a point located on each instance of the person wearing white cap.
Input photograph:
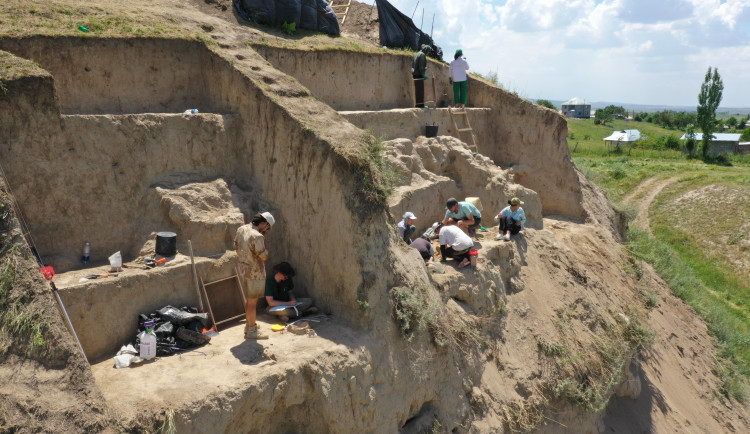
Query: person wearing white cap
(252, 253)
(406, 226)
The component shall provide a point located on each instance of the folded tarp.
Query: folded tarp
(398, 31)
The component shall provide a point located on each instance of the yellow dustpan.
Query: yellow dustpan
(278, 327)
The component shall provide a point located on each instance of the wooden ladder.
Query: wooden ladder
(462, 113)
(340, 8)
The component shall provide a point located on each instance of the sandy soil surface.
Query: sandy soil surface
(229, 362)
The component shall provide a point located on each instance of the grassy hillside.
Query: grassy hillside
(699, 240)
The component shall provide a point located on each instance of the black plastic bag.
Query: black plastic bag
(260, 11)
(309, 15)
(328, 22)
(182, 316)
(288, 11)
(399, 31)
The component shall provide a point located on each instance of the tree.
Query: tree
(602, 117)
(690, 142)
(708, 100)
(546, 103)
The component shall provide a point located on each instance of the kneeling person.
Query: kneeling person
(454, 243)
(279, 286)
(463, 214)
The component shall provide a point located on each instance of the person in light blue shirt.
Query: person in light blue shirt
(463, 214)
(511, 219)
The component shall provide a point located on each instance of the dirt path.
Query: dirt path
(645, 193)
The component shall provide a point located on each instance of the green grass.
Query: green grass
(586, 139)
(726, 325)
(693, 259)
(63, 17)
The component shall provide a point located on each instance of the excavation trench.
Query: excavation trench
(98, 151)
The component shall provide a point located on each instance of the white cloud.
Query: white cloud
(629, 51)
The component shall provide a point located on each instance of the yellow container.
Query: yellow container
(476, 202)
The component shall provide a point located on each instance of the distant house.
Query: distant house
(722, 143)
(576, 108)
(623, 137)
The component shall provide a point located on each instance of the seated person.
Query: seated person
(279, 287)
(424, 246)
(464, 214)
(511, 219)
(406, 227)
(454, 243)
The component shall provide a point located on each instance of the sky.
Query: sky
(653, 52)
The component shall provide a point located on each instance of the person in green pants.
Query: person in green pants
(460, 81)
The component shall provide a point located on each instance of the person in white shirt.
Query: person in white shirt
(454, 243)
(460, 81)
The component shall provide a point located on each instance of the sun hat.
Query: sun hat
(515, 202)
(269, 218)
(409, 215)
(459, 52)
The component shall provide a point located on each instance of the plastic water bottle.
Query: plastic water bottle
(190, 112)
(148, 341)
(86, 253)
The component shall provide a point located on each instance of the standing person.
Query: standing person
(279, 286)
(454, 243)
(250, 245)
(419, 74)
(511, 219)
(464, 214)
(406, 226)
(460, 80)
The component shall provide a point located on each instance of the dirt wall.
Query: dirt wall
(410, 123)
(97, 172)
(97, 76)
(518, 132)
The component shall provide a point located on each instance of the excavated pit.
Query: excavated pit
(117, 168)
(374, 90)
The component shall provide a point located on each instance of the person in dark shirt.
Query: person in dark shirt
(424, 246)
(419, 73)
(279, 292)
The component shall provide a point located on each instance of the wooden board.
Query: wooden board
(225, 299)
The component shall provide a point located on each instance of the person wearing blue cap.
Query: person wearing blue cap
(460, 80)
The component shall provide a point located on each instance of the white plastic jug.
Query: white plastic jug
(148, 341)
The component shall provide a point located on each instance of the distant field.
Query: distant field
(586, 138)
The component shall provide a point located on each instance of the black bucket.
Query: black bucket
(166, 243)
(431, 130)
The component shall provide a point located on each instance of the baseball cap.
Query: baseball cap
(269, 218)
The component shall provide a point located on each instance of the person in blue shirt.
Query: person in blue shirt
(463, 214)
(511, 219)
(406, 226)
